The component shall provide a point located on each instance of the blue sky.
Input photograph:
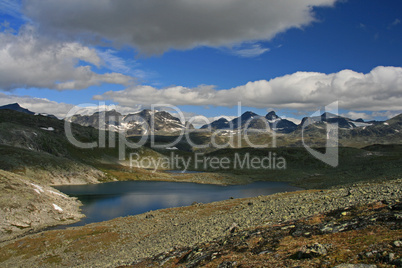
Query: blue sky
(206, 57)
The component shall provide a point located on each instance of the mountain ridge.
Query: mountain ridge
(164, 123)
(15, 107)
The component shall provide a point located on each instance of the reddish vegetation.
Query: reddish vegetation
(368, 238)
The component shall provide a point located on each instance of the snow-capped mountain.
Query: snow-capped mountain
(144, 122)
(343, 122)
(147, 120)
(161, 122)
(221, 123)
(250, 120)
(280, 125)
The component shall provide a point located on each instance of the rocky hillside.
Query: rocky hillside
(27, 205)
(342, 237)
(46, 168)
(389, 131)
(97, 120)
(36, 146)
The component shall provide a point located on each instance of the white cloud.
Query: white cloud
(12, 8)
(113, 62)
(396, 22)
(379, 90)
(249, 51)
(367, 116)
(386, 114)
(28, 61)
(155, 26)
(147, 95)
(90, 109)
(294, 120)
(357, 115)
(37, 105)
(60, 109)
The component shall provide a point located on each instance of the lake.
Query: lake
(102, 202)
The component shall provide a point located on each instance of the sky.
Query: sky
(203, 56)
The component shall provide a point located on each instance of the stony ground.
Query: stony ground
(359, 234)
(27, 205)
(131, 240)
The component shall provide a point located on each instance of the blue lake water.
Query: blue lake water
(106, 201)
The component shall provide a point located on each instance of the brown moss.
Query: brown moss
(74, 240)
(51, 259)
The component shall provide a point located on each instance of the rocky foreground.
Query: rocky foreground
(314, 228)
(359, 234)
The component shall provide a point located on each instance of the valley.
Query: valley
(35, 155)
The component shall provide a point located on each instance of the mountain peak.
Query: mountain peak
(271, 116)
(221, 123)
(328, 115)
(248, 115)
(108, 113)
(16, 107)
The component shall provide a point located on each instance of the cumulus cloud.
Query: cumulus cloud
(386, 114)
(358, 115)
(367, 116)
(37, 105)
(155, 26)
(29, 61)
(294, 120)
(381, 89)
(90, 109)
(60, 109)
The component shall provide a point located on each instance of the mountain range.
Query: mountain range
(162, 122)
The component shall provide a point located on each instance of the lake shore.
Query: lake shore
(123, 241)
